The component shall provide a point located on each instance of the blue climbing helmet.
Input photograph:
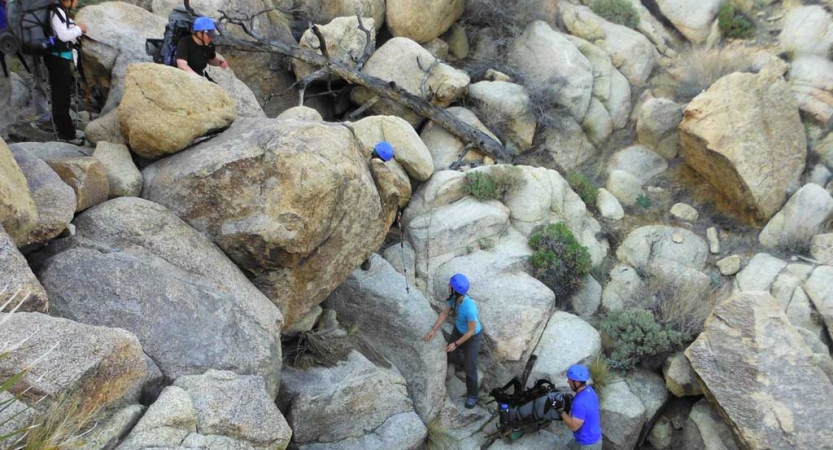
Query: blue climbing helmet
(384, 150)
(459, 283)
(204, 24)
(578, 373)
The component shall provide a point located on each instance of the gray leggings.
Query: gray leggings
(466, 356)
(573, 445)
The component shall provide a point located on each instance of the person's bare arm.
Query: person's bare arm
(469, 333)
(217, 61)
(572, 423)
(183, 64)
(437, 324)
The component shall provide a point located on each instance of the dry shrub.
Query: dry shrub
(681, 303)
(318, 348)
(438, 436)
(698, 69)
(600, 372)
(63, 424)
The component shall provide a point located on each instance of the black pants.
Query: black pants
(466, 356)
(61, 80)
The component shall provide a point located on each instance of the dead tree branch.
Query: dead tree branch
(465, 132)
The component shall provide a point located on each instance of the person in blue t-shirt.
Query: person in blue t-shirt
(584, 419)
(465, 340)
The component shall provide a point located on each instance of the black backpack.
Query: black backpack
(29, 27)
(180, 22)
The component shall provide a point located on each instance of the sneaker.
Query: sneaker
(471, 402)
(43, 126)
(75, 141)
(80, 134)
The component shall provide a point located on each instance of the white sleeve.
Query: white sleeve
(66, 32)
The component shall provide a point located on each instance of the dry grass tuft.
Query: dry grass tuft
(699, 68)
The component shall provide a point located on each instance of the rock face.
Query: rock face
(124, 178)
(549, 59)
(808, 31)
(654, 250)
(344, 42)
(445, 148)
(398, 61)
(508, 104)
(771, 364)
(811, 86)
(801, 218)
(393, 322)
(18, 211)
(341, 407)
(291, 202)
(422, 21)
(820, 291)
(100, 365)
(693, 21)
(330, 9)
(134, 265)
(567, 340)
(246, 104)
(752, 147)
(164, 109)
(679, 378)
(408, 148)
(821, 247)
(105, 128)
(623, 414)
(86, 176)
(54, 199)
(656, 128)
(110, 50)
(639, 162)
(18, 280)
(706, 427)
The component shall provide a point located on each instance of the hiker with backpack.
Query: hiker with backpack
(59, 61)
(195, 52)
(467, 336)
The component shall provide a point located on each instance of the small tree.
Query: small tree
(560, 261)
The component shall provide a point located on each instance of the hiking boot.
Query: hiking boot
(471, 402)
(43, 126)
(79, 141)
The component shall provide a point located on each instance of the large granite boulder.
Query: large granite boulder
(744, 136)
(54, 199)
(638, 161)
(422, 20)
(350, 406)
(408, 148)
(807, 30)
(706, 430)
(694, 21)
(820, 291)
(124, 178)
(291, 202)
(446, 148)
(134, 265)
(787, 399)
(657, 125)
(328, 10)
(507, 104)
(393, 321)
(567, 340)
(403, 62)
(164, 109)
(663, 250)
(801, 218)
(811, 86)
(623, 415)
(18, 282)
(345, 41)
(18, 210)
(96, 366)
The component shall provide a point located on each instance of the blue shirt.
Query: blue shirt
(467, 311)
(586, 408)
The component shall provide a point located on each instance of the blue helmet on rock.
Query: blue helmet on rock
(578, 373)
(204, 24)
(384, 150)
(459, 283)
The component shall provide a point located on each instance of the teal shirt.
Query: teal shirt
(467, 311)
(64, 55)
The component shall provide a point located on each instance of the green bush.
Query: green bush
(488, 186)
(560, 261)
(643, 201)
(617, 11)
(633, 335)
(584, 188)
(733, 23)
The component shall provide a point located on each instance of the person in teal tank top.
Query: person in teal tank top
(464, 343)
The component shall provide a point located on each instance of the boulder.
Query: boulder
(393, 322)
(246, 104)
(164, 109)
(821, 247)
(656, 127)
(610, 87)
(639, 162)
(609, 206)
(679, 377)
(124, 178)
(401, 61)
(108, 432)
(299, 236)
(19, 283)
(567, 340)
(693, 22)
(18, 210)
(623, 286)
(105, 128)
(445, 148)
(772, 365)
(630, 51)
(422, 21)
(654, 250)
(98, 366)
(555, 66)
(506, 104)
(624, 186)
(759, 273)
(685, 213)
(392, 182)
(585, 302)
(650, 389)
(597, 123)
(729, 265)
(345, 41)
(134, 265)
(801, 218)
(807, 30)
(707, 427)
(751, 148)
(623, 414)
(341, 407)
(409, 149)
(714, 240)
(238, 407)
(812, 86)
(86, 176)
(167, 422)
(820, 291)
(109, 50)
(301, 113)
(331, 9)
(54, 199)
(566, 142)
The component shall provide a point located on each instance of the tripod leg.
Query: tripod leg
(3, 63)
(23, 61)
